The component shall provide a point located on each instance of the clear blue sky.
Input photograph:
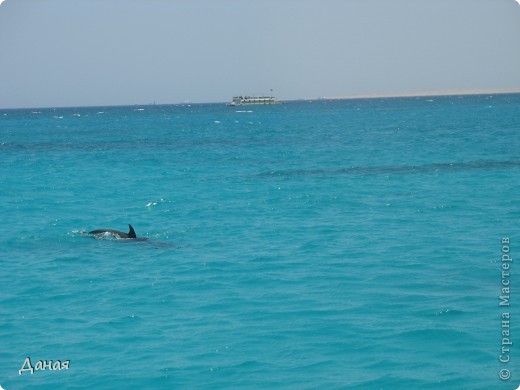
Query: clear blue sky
(110, 52)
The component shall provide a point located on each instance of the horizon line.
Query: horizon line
(431, 93)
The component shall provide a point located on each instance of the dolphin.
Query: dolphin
(115, 233)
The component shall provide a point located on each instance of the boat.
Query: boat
(253, 100)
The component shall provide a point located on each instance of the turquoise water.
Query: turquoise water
(348, 244)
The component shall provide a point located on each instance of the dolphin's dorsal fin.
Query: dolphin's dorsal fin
(131, 232)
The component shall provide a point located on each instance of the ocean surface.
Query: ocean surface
(346, 244)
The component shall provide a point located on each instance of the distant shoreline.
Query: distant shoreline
(446, 92)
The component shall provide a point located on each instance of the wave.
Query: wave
(400, 169)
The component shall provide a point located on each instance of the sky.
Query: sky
(56, 53)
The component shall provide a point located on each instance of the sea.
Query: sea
(326, 244)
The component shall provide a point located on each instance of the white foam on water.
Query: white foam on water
(155, 202)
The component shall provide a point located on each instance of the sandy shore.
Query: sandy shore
(447, 92)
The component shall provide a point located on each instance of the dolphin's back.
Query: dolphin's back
(111, 231)
(117, 233)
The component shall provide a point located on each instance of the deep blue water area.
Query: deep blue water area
(333, 244)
